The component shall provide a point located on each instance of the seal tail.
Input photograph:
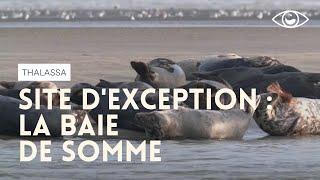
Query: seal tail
(276, 88)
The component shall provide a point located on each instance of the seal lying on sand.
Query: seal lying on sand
(10, 117)
(289, 115)
(194, 124)
(13, 90)
(238, 74)
(160, 73)
(191, 65)
(260, 61)
(299, 84)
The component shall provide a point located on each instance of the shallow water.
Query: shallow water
(256, 156)
(314, 23)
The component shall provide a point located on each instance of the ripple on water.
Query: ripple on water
(256, 156)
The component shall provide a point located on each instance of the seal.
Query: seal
(10, 117)
(237, 61)
(289, 116)
(190, 66)
(300, 84)
(237, 74)
(13, 90)
(194, 124)
(160, 73)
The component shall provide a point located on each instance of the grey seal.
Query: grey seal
(160, 73)
(238, 74)
(289, 116)
(186, 123)
(190, 66)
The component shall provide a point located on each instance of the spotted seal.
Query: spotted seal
(289, 116)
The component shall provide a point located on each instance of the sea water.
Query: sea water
(256, 156)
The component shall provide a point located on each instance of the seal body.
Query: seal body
(10, 117)
(237, 74)
(194, 124)
(231, 61)
(160, 73)
(300, 84)
(289, 115)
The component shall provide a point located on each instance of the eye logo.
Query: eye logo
(290, 19)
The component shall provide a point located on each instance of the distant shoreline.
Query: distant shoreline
(150, 24)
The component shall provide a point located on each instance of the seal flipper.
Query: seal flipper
(140, 67)
(144, 72)
(7, 85)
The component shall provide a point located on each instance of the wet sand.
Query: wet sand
(106, 52)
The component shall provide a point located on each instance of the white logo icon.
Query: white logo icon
(290, 19)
